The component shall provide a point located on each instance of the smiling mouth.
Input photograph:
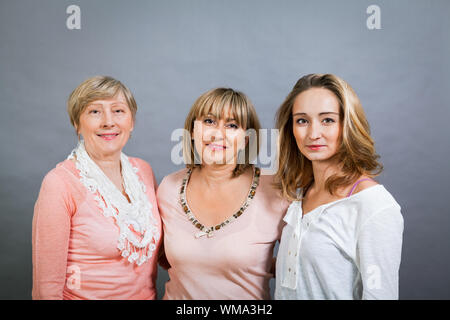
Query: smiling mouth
(108, 136)
(214, 146)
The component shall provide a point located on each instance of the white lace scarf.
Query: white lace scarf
(113, 203)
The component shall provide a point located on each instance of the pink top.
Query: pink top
(233, 264)
(75, 253)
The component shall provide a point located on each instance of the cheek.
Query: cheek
(299, 135)
(236, 138)
(197, 136)
(87, 126)
(198, 133)
(335, 135)
(126, 123)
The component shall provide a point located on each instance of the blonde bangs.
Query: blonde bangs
(223, 106)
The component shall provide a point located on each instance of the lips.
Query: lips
(108, 136)
(315, 146)
(215, 146)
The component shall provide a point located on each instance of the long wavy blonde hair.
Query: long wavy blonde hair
(356, 154)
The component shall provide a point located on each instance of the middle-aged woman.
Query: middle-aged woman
(96, 225)
(221, 217)
(343, 235)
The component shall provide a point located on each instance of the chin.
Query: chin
(316, 157)
(111, 149)
(217, 160)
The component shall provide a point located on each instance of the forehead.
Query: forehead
(118, 98)
(315, 101)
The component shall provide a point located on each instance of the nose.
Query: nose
(216, 134)
(108, 120)
(315, 130)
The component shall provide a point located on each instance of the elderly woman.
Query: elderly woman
(96, 225)
(343, 236)
(221, 217)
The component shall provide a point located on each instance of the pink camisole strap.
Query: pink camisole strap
(354, 186)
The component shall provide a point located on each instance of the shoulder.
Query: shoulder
(270, 195)
(384, 218)
(376, 204)
(172, 182)
(375, 196)
(61, 174)
(141, 165)
(267, 185)
(61, 184)
(175, 177)
(363, 185)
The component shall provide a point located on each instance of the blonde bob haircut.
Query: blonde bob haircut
(356, 154)
(95, 88)
(220, 102)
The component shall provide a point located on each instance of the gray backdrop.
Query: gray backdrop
(169, 52)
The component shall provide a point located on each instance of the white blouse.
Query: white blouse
(345, 249)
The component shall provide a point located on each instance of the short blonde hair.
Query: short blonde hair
(356, 154)
(216, 102)
(95, 88)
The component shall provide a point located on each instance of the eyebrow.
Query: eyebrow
(100, 104)
(226, 120)
(320, 114)
(120, 104)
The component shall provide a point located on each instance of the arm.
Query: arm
(50, 238)
(379, 249)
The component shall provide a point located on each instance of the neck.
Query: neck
(215, 175)
(322, 170)
(109, 164)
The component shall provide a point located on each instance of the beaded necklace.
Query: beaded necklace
(209, 231)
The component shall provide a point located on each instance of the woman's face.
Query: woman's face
(316, 124)
(106, 126)
(218, 141)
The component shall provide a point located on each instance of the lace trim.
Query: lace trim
(137, 214)
(209, 231)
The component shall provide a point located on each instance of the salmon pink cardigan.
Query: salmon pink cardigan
(75, 253)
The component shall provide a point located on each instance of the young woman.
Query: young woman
(343, 235)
